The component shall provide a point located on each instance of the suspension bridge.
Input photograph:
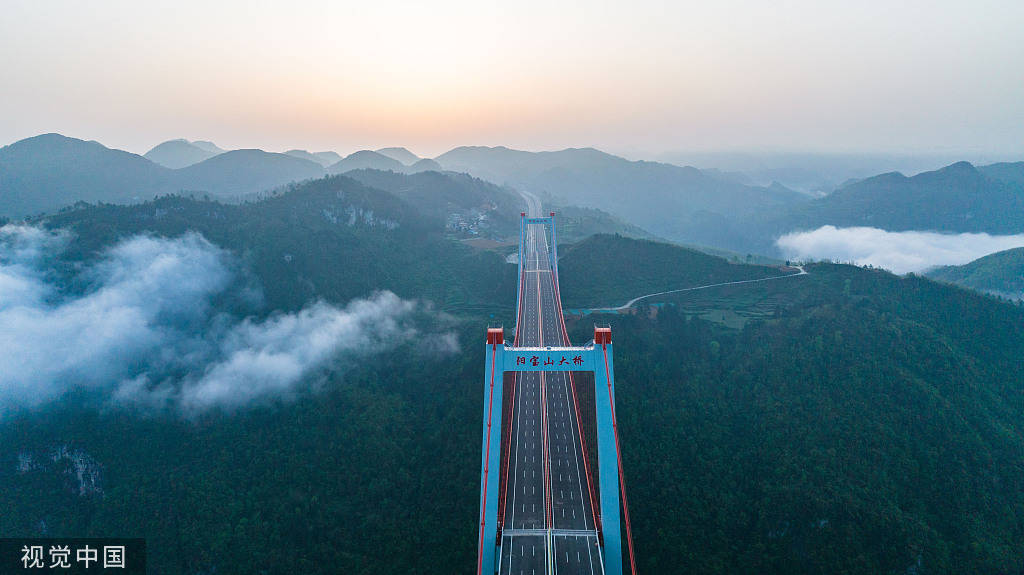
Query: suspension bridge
(552, 498)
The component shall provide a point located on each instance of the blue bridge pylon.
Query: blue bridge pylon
(596, 357)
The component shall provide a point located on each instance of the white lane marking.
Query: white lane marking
(535, 239)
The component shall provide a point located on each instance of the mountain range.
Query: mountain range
(182, 153)
(710, 208)
(956, 198)
(682, 204)
(51, 171)
(678, 203)
(370, 160)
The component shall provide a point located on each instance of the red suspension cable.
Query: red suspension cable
(487, 458)
(618, 457)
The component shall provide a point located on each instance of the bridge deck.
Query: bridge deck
(548, 521)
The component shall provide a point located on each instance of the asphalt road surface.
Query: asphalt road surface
(548, 521)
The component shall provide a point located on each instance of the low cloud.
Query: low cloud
(142, 327)
(899, 252)
(272, 356)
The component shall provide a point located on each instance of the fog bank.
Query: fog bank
(145, 331)
(899, 252)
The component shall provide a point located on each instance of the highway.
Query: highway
(548, 521)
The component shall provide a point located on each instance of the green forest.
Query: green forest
(845, 421)
(1001, 274)
(871, 424)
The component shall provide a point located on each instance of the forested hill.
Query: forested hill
(609, 270)
(331, 238)
(442, 195)
(1009, 172)
(1001, 274)
(576, 223)
(866, 423)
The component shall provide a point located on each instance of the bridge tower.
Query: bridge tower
(597, 357)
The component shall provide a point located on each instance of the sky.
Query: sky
(643, 77)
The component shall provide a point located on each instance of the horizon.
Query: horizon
(644, 81)
(716, 158)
